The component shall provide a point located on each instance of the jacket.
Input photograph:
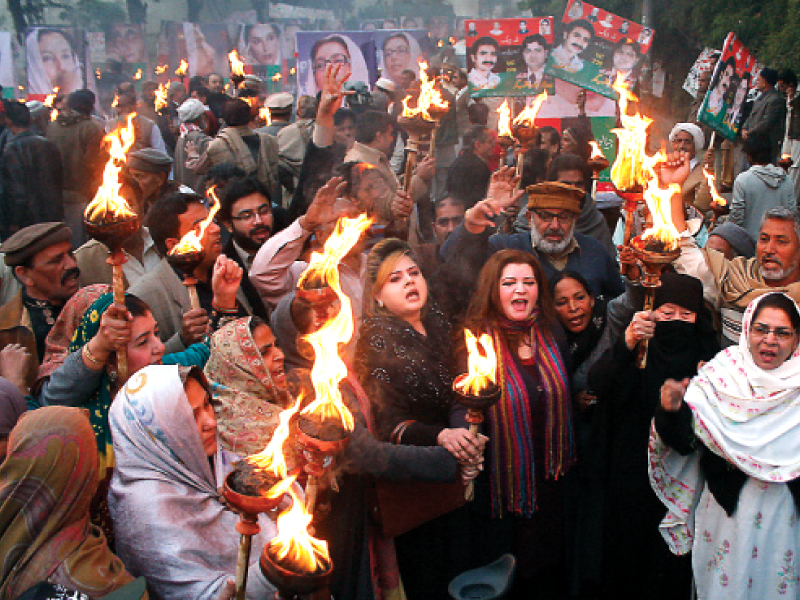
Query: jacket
(32, 182)
(80, 141)
(768, 116)
(468, 178)
(229, 147)
(757, 190)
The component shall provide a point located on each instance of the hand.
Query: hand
(426, 169)
(580, 102)
(402, 205)
(642, 327)
(225, 280)
(14, 363)
(502, 191)
(114, 332)
(479, 217)
(675, 169)
(320, 212)
(470, 470)
(462, 444)
(708, 158)
(744, 134)
(672, 393)
(331, 97)
(585, 400)
(629, 266)
(194, 325)
(227, 590)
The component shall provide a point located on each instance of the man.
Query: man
(280, 112)
(574, 39)
(534, 52)
(42, 261)
(147, 108)
(216, 94)
(246, 212)
(703, 81)
(293, 140)
(552, 211)
(448, 214)
(146, 133)
(550, 141)
(719, 93)
(31, 176)
(169, 219)
(483, 54)
(688, 139)
(150, 168)
(787, 83)
(732, 241)
(216, 83)
(762, 187)
(769, 112)
(237, 143)
(469, 175)
(79, 139)
(191, 150)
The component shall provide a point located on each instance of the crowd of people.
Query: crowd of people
(603, 478)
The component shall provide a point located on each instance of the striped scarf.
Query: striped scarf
(511, 422)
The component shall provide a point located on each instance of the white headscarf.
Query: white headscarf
(694, 131)
(243, 49)
(358, 67)
(745, 414)
(170, 525)
(414, 52)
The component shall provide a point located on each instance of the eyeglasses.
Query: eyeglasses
(445, 221)
(262, 211)
(336, 59)
(564, 217)
(782, 334)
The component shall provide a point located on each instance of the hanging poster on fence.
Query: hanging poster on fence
(734, 75)
(352, 50)
(593, 46)
(506, 57)
(56, 58)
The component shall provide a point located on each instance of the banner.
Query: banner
(733, 77)
(705, 63)
(353, 50)
(507, 57)
(56, 57)
(594, 46)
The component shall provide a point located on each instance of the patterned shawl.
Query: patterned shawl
(46, 485)
(172, 527)
(246, 401)
(748, 416)
(511, 421)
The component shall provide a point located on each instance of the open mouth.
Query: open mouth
(519, 304)
(412, 295)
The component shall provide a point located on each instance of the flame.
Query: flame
(237, 66)
(528, 115)
(294, 547)
(182, 69)
(712, 187)
(138, 74)
(277, 77)
(161, 69)
(192, 241)
(428, 97)
(628, 169)
(482, 364)
(54, 114)
(98, 74)
(265, 115)
(292, 71)
(329, 369)
(504, 120)
(596, 152)
(161, 97)
(51, 97)
(108, 206)
(271, 458)
(115, 101)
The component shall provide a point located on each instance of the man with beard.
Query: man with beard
(553, 209)
(246, 212)
(484, 58)
(42, 261)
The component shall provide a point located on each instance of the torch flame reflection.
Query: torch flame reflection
(192, 241)
(108, 205)
(504, 120)
(237, 66)
(294, 548)
(329, 369)
(429, 97)
(482, 364)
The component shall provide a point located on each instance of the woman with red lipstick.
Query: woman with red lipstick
(518, 505)
(724, 460)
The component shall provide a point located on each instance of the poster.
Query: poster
(399, 50)
(125, 44)
(353, 50)
(734, 75)
(56, 57)
(704, 63)
(507, 57)
(593, 46)
(7, 64)
(204, 47)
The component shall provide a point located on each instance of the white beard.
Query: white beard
(548, 247)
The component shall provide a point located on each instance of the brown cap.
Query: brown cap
(555, 196)
(25, 243)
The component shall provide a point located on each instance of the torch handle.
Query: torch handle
(432, 150)
(641, 353)
(242, 564)
(311, 493)
(193, 297)
(118, 287)
(411, 162)
(469, 492)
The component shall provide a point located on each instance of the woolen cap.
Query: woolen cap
(150, 160)
(26, 242)
(555, 196)
(738, 237)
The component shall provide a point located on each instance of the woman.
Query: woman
(53, 62)
(404, 361)
(261, 44)
(681, 335)
(399, 51)
(724, 460)
(625, 60)
(519, 500)
(46, 486)
(248, 384)
(337, 50)
(170, 524)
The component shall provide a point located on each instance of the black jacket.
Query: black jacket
(252, 295)
(468, 178)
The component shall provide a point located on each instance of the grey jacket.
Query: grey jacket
(757, 190)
